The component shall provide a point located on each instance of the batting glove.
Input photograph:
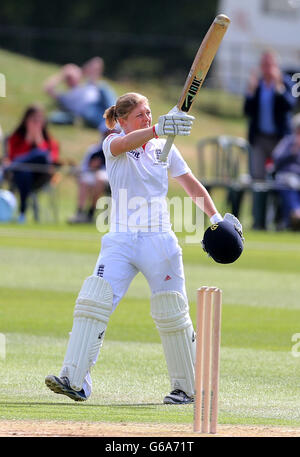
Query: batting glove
(175, 122)
(235, 222)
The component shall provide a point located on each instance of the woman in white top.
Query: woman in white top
(140, 240)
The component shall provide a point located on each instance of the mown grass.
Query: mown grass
(42, 267)
(39, 282)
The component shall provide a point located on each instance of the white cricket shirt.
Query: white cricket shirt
(139, 185)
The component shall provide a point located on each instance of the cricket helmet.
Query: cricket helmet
(223, 242)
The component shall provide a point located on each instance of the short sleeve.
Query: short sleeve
(177, 165)
(106, 145)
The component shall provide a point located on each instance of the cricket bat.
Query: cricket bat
(198, 71)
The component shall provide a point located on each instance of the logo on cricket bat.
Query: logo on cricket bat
(192, 92)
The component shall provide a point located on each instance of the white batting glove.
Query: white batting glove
(235, 222)
(175, 110)
(174, 123)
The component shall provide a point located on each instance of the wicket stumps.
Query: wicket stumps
(208, 337)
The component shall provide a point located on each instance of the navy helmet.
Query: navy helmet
(223, 242)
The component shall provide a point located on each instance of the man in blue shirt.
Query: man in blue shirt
(268, 105)
(86, 97)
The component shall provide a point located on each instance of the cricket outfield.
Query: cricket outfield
(41, 272)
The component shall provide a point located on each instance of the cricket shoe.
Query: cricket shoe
(62, 386)
(178, 397)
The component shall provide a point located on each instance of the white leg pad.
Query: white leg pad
(170, 313)
(91, 315)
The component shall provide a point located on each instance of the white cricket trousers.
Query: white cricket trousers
(157, 256)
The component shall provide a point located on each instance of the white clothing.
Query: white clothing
(128, 248)
(92, 177)
(78, 98)
(157, 256)
(139, 185)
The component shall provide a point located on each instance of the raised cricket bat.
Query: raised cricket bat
(198, 71)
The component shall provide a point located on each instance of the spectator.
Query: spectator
(268, 106)
(86, 97)
(286, 158)
(93, 72)
(92, 183)
(29, 146)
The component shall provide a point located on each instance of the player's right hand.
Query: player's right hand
(174, 123)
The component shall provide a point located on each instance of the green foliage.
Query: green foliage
(24, 85)
(139, 69)
(76, 30)
(128, 17)
(42, 268)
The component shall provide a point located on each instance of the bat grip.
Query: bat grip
(165, 152)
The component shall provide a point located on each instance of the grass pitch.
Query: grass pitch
(40, 279)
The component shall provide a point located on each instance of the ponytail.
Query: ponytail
(110, 117)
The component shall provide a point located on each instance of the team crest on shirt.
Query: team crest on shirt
(157, 154)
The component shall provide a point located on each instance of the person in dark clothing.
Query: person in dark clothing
(92, 184)
(30, 149)
(86, 96)
(286, 158)
(268, 105)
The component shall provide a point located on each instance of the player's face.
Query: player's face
(139, 118)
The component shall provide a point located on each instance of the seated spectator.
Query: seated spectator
(92, 184)
(86, 96)
(70, 100)
(30, 152)
(93, 73)
(286, 158)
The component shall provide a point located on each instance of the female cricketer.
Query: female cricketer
(134, 244)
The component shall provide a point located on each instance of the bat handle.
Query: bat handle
(165, 152)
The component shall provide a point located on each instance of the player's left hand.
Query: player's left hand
(223, 240)
(235, 222)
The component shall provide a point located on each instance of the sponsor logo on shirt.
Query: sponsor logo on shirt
(134, 154)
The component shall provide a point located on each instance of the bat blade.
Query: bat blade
(199, 69)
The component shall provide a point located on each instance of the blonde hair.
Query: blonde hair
(123, 107)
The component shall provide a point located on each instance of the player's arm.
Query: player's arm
(176, 123)
(50, 85)
(199, 195)
(132, 140)
(203, 200)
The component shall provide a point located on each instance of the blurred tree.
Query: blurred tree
(74, 30)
